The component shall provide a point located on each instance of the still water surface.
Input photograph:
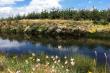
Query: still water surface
(15, 44)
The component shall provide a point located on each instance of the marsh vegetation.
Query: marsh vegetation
(51, 64)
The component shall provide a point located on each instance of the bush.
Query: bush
(102, 22)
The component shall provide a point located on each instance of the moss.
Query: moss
(41, 28)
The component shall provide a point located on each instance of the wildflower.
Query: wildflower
(27, 62)
(59, 46)
(18, 71)
(53, 70)
(55, 62)
(62, 66)
(33, 69)
(56, 57)
(67, 70)
(53, 66)
(72, 59)
(38, 60)
(33, 54)
(66, 62)
(47, 57)
(58, 61)
(52, 57)
(65, 57)
(72, 63)
(89, 72)
(33, 59)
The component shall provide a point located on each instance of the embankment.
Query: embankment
(55, 27)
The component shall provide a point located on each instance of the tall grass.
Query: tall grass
(49, 64)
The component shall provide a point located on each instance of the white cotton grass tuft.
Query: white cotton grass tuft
(72, 63)
(53, 67)
(33, 69)
(47, 57)
(59, 61)
(67, 70)
(33, 54)
(38, 60)
(72, 59)
(66, 62)
(65, 57)
(52, 57)
(59, 46)
(56, 57)
(55, 61)
(18, 71)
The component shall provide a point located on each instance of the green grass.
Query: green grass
(49, 64)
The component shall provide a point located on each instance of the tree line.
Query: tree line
(83, 14)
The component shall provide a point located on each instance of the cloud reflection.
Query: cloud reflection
(10, 44)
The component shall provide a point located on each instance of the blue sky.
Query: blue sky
(13, 7)
(22, 3)
(100, 4)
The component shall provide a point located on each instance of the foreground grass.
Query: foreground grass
(48, 64)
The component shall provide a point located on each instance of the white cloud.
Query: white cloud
(5, 11)
(34, 5)
(4, 2)
(43, 4)
(10, 44)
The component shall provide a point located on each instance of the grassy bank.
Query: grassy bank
(71, 27)
(49, 64)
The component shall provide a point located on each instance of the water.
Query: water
(61, 46)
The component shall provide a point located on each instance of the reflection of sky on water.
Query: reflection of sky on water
(14, 47)
(10, 44)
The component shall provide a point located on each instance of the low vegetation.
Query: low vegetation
(46, 26)
(50, 64)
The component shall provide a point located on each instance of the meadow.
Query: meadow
(65, 22)
(50, 64)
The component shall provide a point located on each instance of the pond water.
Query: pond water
(61, 46)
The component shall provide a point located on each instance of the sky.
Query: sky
(14, 7)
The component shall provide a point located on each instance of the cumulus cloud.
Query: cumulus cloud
(34, 5)
(5, 2)
(10, 44)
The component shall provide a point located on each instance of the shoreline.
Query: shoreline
(55, 27)
(62, 40)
